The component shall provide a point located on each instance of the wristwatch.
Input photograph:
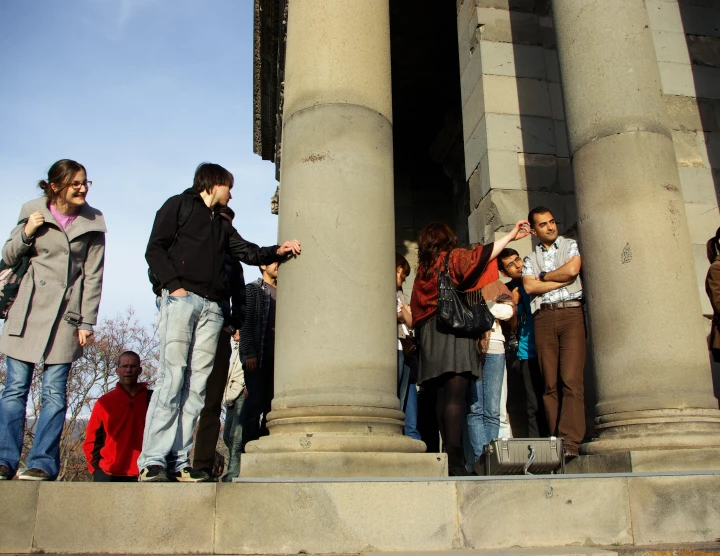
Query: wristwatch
(542, 276)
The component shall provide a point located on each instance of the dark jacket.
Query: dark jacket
(233, 302)
(196, 261)
(114, 434)
(252, 333)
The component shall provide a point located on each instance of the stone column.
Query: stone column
(335, 410)
(653, 378)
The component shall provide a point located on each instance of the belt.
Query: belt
(560, 305)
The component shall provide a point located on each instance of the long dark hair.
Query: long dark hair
(61, 174)
(712, 247)
(433, 240)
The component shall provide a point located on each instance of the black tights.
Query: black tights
(450, 407)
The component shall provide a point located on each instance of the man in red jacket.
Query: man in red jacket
(114, 435)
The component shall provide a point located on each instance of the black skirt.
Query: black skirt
(442, 353)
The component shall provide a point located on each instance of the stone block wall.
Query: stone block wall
(686, 34)
(516, 148)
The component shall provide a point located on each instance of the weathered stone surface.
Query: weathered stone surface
(474, 109)
(471, 75)
(704, 51)
(501, 208)
(664, 16)
(508, 95)
(508, 26)
(551, 66)
(579, 505)
(321, 518)
(342, 464)
(161, 518)
(703, 220)
(557, 109)
(527, 134)
(671, 46)
(674, 509)
(561, 139)
(516, 60)
(18, 506)
(697, 185)
(516, 5)
(690, 114)
(710, 150)
(476, 147)
(707, 82)
(677, 79)
(566, 179)
(688, 151)
(538, 172)
(547, 31)
(698, 20)
(464, 50)
(644, 461)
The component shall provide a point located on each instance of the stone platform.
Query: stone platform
(349, 516)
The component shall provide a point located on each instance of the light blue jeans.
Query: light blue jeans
(407, 393)
(45, 451)
(232, 437)
(189, 329)
(483, 418)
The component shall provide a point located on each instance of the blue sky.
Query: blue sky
(140, 92)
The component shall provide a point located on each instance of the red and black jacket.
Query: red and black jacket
(114, 435)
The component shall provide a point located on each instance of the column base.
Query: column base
(341, 464)
(638, 461)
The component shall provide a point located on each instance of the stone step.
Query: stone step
(545, 551)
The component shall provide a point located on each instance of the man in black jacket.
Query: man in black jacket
(187, 257)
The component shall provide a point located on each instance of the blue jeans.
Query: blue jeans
(189, 328)
(232, 437)
(45, 451)
(407, 392)
(483, 418)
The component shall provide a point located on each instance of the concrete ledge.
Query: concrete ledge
(18, 506)
(289, 518)
(349, 516)
(544, 513)
(641, 461)
(342, 465)
(160, 518)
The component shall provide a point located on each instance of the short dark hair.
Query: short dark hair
(208, 175)
(128, 352)
(401, 262)
(537, 210)
(507, 252)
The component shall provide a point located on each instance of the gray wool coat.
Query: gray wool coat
(65, 274)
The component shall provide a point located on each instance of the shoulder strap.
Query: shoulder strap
(185, 209)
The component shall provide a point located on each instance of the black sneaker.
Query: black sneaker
(34, 474)
(189, 475)
(153, 474)
(5, 473)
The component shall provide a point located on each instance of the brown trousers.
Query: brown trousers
(560, 344)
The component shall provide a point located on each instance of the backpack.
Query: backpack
(10, 278)
(186, 208)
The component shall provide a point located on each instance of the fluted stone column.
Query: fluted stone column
(653, 378)
(335, 410)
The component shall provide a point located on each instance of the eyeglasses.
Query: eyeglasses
(79, 184)
(516, 263)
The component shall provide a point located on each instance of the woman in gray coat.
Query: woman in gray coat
(53, 314)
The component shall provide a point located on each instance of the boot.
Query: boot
(456, 462)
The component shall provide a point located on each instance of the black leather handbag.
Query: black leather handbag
(460, 313)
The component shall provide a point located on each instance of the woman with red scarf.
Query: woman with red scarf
(449, 363)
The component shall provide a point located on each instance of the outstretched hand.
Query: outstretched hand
(521, 230)
(291, 247)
